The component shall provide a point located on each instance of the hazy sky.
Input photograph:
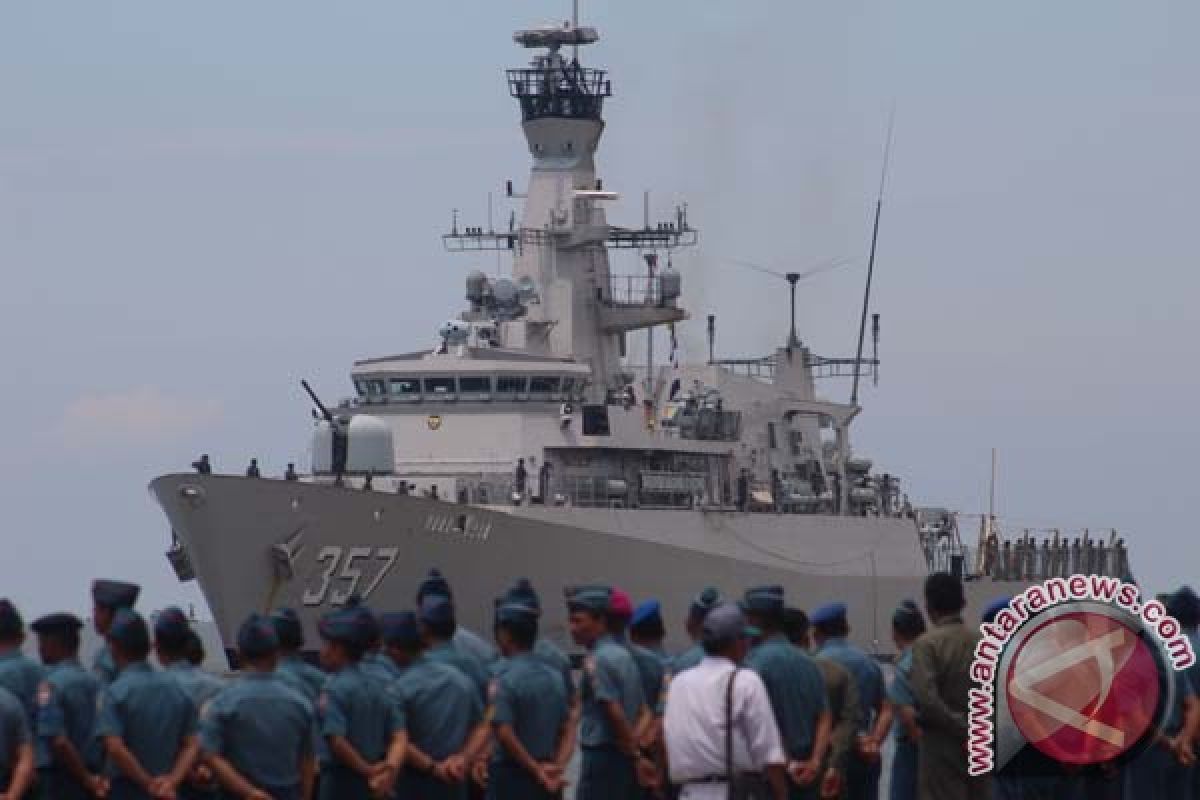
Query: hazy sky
(201, 204)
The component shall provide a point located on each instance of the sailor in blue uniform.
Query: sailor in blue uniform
(466, 640)
(68, 753)
(613, 765)
(172, 633)
(437, 622)
(16, 748)
(375, 664)
(646, 630)
(830, 630)
(295, 671)
(531, 717)
(18, 673)
(522, 593)
(907, 624)
(361, 727)
(443, 712)
(146, 720)
(704, 602)
(796, 690)
(258, 733)
(108, 597)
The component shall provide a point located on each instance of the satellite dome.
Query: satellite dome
(454, 331)
(505, 293)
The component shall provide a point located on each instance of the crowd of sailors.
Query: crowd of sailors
(410, 705)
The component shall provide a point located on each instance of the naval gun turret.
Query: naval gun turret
(357, 444)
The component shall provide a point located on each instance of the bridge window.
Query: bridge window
(544, 384)
(474, 384)
(439, 386)
(376, 387)
(510, 384)
(405, 387)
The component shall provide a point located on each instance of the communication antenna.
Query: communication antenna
(795, 277)
(862, 325)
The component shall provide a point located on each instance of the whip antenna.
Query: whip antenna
(862, 325)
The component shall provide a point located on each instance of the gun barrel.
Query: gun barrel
(317, 401)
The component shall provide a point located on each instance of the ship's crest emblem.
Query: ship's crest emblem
(434, 421)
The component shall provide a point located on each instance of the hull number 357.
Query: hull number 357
(345, 571)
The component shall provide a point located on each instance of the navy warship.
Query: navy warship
(528, 440)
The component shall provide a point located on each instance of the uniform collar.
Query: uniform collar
(953, 619)
(604, 639)
(136, 666)
(776, 638)
(832, 643)
(182, 665)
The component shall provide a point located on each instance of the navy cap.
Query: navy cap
(907, 619)
(129, 630)
(763, 599)
(829, 613)
(11, 624)
(590, 598)
(523, 592)
(725, 623)
(400, 628)
(1184, 606)
(646, 613)
(369, 619)
(171, 627)
(115, 594)
(287, 627)
(517, 613)
(704, 602)
(61, 622)
(257, 638)
(436, 610)
(995, 607)
(434, 584)
(346, 625)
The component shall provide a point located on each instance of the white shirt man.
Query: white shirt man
(694, 721)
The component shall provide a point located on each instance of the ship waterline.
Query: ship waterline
(255, 544)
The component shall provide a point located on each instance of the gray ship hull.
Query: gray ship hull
(255, 544)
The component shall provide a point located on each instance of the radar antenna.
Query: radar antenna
(862, 325)
(795, 277)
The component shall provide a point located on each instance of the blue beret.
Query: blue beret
(436, 610)
(704, 602)
(400, 628)
(11, 624)
(257, 638)
(434, 584)
(589, 598)
(646, 613)
(522, 592)
(129, 630)
(347, 625)
(995, 607)
(288, 627)
(57, 623)
(828, 613)
(763, 598)
(368, 619)
(114, 594)
(908, 616)
(171, 627)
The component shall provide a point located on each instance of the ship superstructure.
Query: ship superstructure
(526, 440)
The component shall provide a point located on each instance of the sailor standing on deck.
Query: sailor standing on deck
(702, 603)
(68, 756)
(719, 720)
(830, 631)
(108, 597)
(19, 674)
(531, 717)
(361, 727)
(147, 722)
(257, 735)
(292, 668)
(795, 688)
(16, 748)
(613, 765)
(442, 711)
